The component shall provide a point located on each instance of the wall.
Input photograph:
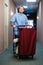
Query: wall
(42, 21)
(12, 8)
(1, 25)
(40, 24)
(6, 36)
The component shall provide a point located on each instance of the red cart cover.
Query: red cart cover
(27, 41)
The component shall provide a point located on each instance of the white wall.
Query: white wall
(1, 25)
(12, 8)
(40, 24)
(5, 29)
(42, 21)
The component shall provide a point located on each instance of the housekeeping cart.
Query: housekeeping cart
(27, 41)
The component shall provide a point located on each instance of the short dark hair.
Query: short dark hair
(19, 8)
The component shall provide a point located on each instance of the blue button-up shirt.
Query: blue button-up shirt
(18, 19)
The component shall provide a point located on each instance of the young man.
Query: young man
(18, 19)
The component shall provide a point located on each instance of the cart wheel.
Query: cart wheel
(32, 56)
(14, 48)
(19, 57)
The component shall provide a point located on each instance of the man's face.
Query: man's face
(21, 9)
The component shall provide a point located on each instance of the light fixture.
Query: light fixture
(31, 0)
(12, 13)
(28, 14)
(37, 17)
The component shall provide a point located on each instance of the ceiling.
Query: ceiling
(24, 3)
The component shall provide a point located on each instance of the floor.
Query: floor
(7, 57)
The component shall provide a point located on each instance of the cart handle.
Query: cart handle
(23, 25)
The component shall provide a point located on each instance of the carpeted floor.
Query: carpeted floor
(7, 58)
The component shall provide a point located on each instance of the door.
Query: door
(6, 22)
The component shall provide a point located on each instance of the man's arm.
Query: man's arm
(13, 21)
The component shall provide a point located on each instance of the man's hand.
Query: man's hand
(14, 26)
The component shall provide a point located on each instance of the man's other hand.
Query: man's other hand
(14, 26)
